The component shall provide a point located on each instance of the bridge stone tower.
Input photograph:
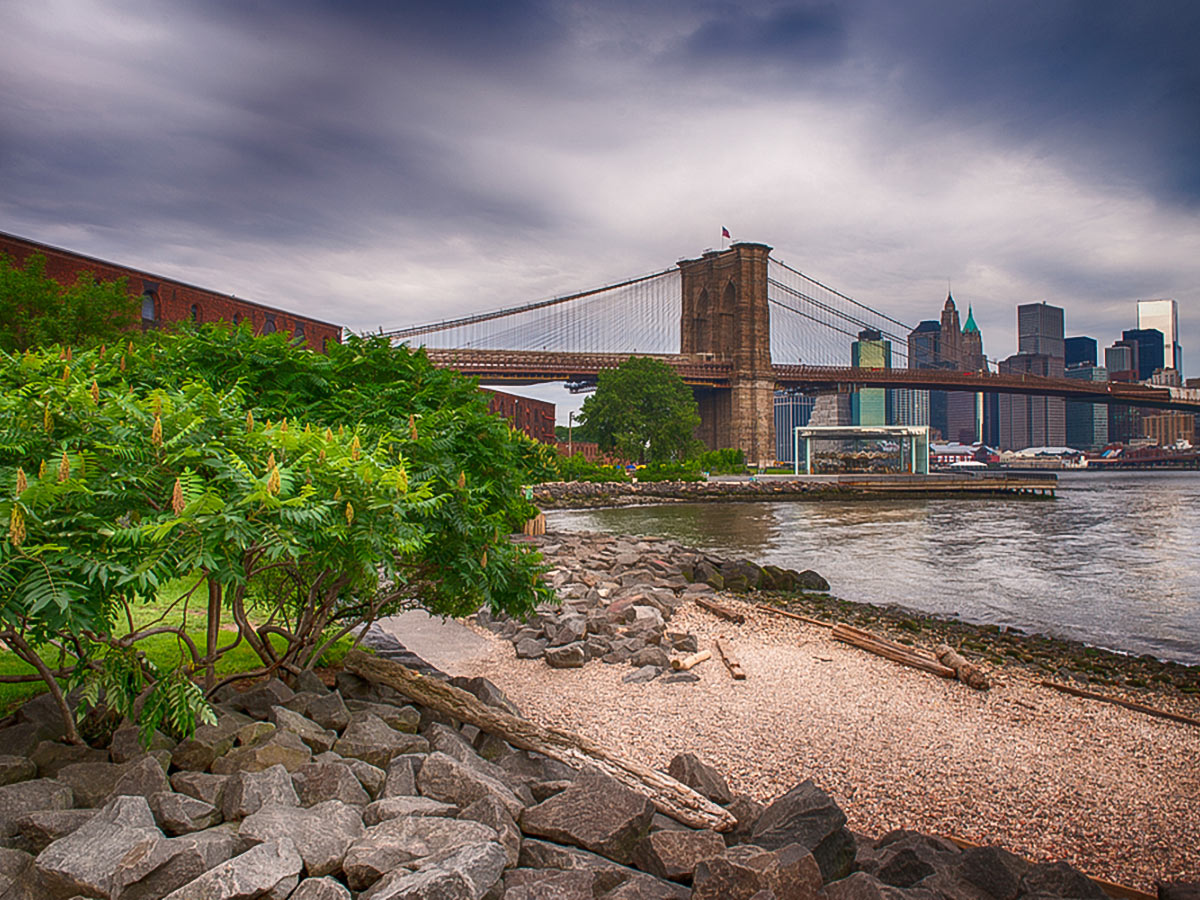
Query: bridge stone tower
(726, 318)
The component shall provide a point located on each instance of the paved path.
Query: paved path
(444, 643)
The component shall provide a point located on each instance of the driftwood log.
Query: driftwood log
(891, 650)
(670, 797)
(1128, 704)
(787, 613)
(723, 612)
(730, 660)
(682, 665)
(968, 673)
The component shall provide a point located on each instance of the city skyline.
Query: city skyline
(379, 166)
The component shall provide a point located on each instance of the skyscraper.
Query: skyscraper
(1163, 315)
(1040, 330)
(869, 406)
(1151, 348)
(1030, 421)
(1080, 351)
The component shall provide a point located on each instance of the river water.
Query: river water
(1114, 561)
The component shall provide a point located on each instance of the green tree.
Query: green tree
(643, 411)
(37, 311)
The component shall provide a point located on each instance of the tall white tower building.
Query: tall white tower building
(1163, 315)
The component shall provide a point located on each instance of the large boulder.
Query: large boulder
(201, 785)
(741, 872)
(491, 812)
(83, 862)
(702, 778)
(91, 782)
(321, 781)
(395, 807)
(29, 796)
(673, 854)
(596, 813)
(16, 768)
(270, 871)
(568, 656)
(372, 740)
(318, 739)
(141, 778)
(465, 873)
(807, 816)
(196, 754)
(178, 814)
(41, 828)
(18, 879)
(401, 841)
(444, 778)
(320, 889)
(276, 747)
(172, 863)
(257, 701)
(401, 717)
(248, 792)
(401, 777)
(322, 833)
(326, 709)
(126, 744)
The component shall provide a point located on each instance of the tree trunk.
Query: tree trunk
(214, 631)
(670, 797)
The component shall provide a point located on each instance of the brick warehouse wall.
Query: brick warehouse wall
(174, 301)
(534, 417)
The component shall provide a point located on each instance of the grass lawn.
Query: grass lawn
(166, 651)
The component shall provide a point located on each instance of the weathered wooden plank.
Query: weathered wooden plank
(730, 660)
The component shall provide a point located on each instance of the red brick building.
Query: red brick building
(534, 417)
(166, 300)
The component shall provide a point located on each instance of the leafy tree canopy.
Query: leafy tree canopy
(643, 411)
(37, 311)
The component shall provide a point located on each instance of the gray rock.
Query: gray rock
(640, 886)
(651, 656)
(18, 878)
(21, 739)
(402, 775)
(541, 884)
(172, 863)
(257, 701)
(248, 792)
(491, 812)
(29, 796)
(310, 682)
(996, 872)
(372, 778)
(673, 854)
(568, 656)
(807, 816)
(702, 778)
(404, 840)
(642, 675)
(39, 829)
(394, 807)
(318, 739)
(269, 871)
(126, 744)
(608, 875)
(197, 753)
(91, 782)
(141, 778)
(201, 785)
(51, 757)
(571, 628)
(328, 710)
(682, 642)
(320, 889)
(808, 580)
(467, 873)
(596, 813)
(16, 768)
(83, 861)
(372, 740)
(747, 811)
(444, 778)
(530, 648)
(278, 748)
(318, 782)
(178, 814)
(485, 690)
(322, 834)
(861, 886)
(680, 678)
(402, 718)
(744, 870)
(1060, 879)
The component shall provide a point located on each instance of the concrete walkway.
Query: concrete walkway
(444, 643)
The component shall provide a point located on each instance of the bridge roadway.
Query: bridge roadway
(532, 367)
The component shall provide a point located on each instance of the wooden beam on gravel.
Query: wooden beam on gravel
(670, 797)
(720, 610)
(787, 613)
(906, 656)
(1128, 704)
(968, 673)
(682, 665)
(731, 661)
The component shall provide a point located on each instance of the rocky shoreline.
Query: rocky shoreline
(594, 495)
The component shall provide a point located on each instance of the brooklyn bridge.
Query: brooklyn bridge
(736, 325)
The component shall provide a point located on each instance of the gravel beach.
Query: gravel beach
(1112, 791)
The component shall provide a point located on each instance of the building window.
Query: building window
(149, 305)
(269, 325)
(298, 336)
(195, 312)
(237, 318)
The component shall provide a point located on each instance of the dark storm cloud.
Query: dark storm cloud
(798, 35)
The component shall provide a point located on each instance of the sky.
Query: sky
(380, 164)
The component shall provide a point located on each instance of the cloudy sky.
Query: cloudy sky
(388, 163)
